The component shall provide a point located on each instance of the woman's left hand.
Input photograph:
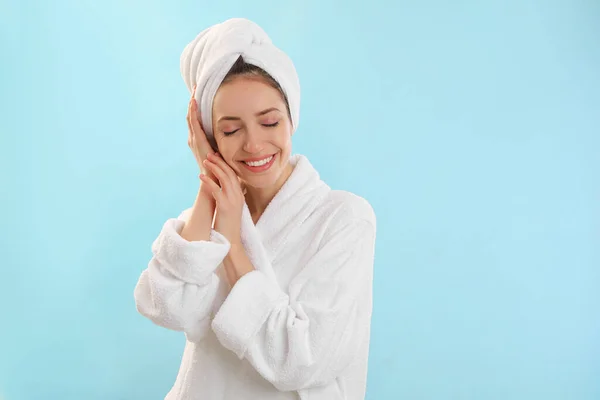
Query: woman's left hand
(229, 196)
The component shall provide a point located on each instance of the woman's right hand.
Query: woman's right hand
(197, 140)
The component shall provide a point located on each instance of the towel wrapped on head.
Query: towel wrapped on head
(207, 59)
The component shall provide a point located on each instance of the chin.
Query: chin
(262, 182)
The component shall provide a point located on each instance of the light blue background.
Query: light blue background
(472, 127)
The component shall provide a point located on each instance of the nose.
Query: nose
(253, 142)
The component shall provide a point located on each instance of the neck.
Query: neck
(259, 198)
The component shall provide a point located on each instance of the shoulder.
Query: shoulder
(348, 208)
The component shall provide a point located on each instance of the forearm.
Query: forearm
(199, 225)
(237, 263)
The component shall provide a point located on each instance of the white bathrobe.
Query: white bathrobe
(296, 328)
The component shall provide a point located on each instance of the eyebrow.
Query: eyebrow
(258, 114)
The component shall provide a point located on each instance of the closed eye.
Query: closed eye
(267, 125)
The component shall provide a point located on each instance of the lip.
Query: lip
(262, 168)
(258, 158)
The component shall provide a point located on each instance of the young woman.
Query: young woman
(269, 273)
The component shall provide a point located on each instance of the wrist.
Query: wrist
(237, 262)
(236, 249)
(204, 193)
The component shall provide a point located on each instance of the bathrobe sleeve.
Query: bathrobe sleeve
(308, 337)
(178, 288)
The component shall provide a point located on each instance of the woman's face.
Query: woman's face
(251, 124)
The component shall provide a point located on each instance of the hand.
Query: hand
(197, 140)
(229, 196)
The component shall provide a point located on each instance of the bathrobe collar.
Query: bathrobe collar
(299, 196)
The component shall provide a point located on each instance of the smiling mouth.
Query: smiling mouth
(260, 162)
(260, 165)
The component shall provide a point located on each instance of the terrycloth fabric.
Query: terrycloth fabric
(209, 57)
(296, 328)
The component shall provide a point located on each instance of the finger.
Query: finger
(198, 131)
(230, 186)
(231, 175)
(211, 181)
(208, 174)
(215, 189)
(193, 93)
(189, 123)
(219, 173)
(242, 186)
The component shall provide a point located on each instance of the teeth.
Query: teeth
(258, 163)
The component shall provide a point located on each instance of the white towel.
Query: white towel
(208, 58)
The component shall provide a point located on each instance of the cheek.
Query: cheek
(225, 146)
(231, 147)
(285, 135)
